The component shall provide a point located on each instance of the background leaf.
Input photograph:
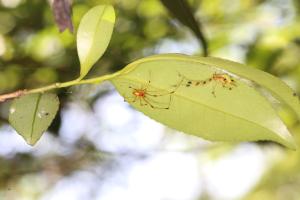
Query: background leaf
(63, 14)
(240, 114)
(181, 11)
(93, 36)
(32, 114)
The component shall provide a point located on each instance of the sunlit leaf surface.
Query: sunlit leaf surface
(202, 99)
(275, 86)
(93, 35)
(32, 114)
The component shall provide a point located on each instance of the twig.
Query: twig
(12, 95)
(19, 93)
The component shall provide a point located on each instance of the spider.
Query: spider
(145, 97)
(224, 79)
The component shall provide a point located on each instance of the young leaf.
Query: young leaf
(93, 36)
(200, 99)
(31, 115)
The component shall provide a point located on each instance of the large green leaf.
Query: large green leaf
(275, 86)
(93, 36)
(237, 114)
(31, 115)
(278, 89)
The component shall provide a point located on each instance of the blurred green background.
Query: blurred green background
(261, 33)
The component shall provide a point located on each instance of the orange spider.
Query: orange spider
(226, 80)
(148, 98)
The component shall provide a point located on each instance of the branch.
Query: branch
(18, 93)
(12, 95)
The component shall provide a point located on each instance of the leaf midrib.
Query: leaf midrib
(95, 32)
(34, 116)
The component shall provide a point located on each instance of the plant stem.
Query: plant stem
(19, 93)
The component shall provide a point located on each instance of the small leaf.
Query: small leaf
(31, 115)
(190, 95)
(93, 36)
(181, 10)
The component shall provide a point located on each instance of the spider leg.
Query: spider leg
(170, 100)
(150, 104)
(213, 92)
(163, 105)
(158, 95)
(229, 86)
(133, 88)
(153, 100)
(129, 84)
(206, 81)
(154, 106)
(145, 86)
(167, 93)
(233, 83)
(184, 81)
(127, 99)
(143, 100)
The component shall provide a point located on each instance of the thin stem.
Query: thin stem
(19, 93)
(12, 95)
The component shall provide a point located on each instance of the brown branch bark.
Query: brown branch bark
(12, 95)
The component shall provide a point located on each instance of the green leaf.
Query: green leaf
(279, 90)
(31, 115)
(93, 36)
(182, 11)
(173, 97)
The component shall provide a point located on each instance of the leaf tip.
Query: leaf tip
(289, 142)
(292, 145)
(30, 141)
(109, 13)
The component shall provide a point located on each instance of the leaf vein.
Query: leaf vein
(34, 116)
